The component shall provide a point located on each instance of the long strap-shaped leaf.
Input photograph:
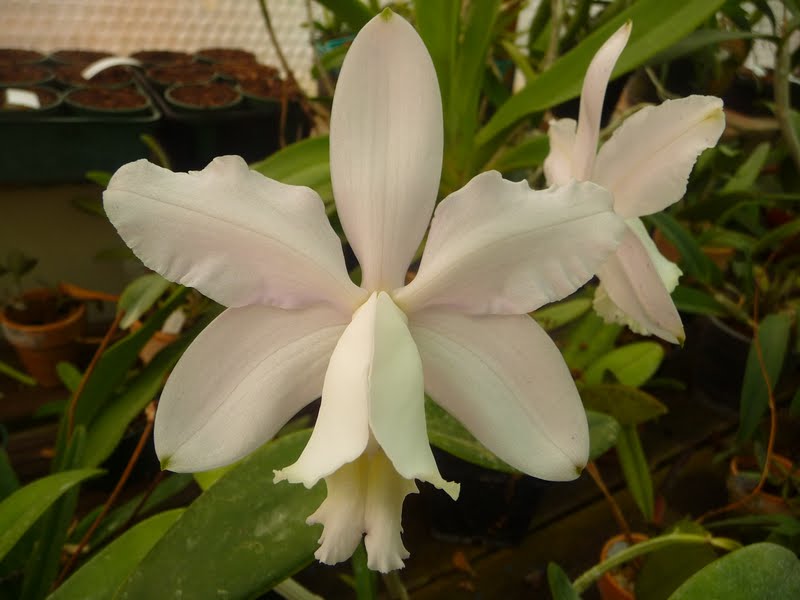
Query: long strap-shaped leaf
(656, 26)
(23, 508)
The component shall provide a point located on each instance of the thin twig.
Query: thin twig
(321, 71)
(773, 420)
(315, 113)
(109, 503)
(90, 369)
(145, 497)
(591, 468)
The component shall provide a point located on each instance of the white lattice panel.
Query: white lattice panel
(124, 26)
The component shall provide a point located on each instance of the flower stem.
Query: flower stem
(783, 66)
(590, 576)
(291, 590)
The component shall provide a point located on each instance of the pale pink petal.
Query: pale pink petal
(243, 377)
(633, 293)
(558, 164)
(386, 147)
(235, 235)
(341, 433)
(506, 381)
(647, 161)
(592, 95)
(499, 247)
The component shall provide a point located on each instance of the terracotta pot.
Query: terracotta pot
(610, 585)
(41, 346)
(740, 486)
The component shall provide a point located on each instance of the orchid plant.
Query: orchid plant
(297, 328)
(645, 165)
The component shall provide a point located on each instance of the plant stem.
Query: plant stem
(591, 468)
(395, 586)
(587, 578)
(109, 503)
(82, 385)
(291, 590)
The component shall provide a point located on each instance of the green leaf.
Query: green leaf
(364, 579)
(656, 25)
(438, 24)
(243, 535)
(101, 178)
(9, 371)
(627, 405)
(8, 478)
(777, 235)
(559, 314)
(115, 362)
(693, 261)
(633, 364)
(701, 39)
(696, 302)
(745, 176)
(603, 433)
(43, 560)
(560, 585)
(636, 470)
(139, 296)
(758, 571)
(447, 434)
(99, 578)
(206, 479)
(353, 12)
(119, 517)
(69, 375)
(110, 425)
(666, 569)
(590, 339)
(773, 337)
(528, 154)
(306, 162)
(20, 510)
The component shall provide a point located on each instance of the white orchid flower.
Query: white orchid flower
(296, 327)
(645, 165)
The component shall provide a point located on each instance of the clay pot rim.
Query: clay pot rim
(76, 314)
(608, 577)
(737, 462)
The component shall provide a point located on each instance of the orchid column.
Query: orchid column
(645, 165)
(296, 327)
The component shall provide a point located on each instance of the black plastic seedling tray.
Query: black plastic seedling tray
(192, 138)
(58, 147)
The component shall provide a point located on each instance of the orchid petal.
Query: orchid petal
(668, 271)
(647, 161)
(632, 293)
(382, 518)
(386, 147)
(506, 381)
(592, 96)
(235, 235)
(342, 431)
(342, 512)
(558, 164)
(497, 247)
(397, 398)
(243, 377)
